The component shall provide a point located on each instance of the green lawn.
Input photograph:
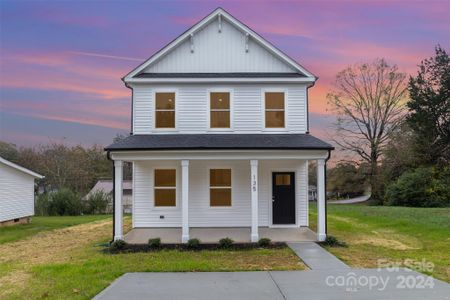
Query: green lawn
(68, 263)
(392, 233)
(38, 224)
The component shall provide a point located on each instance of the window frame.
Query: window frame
(162, 90)
(285, 107)
(231, 109)
(218, 187)
(157, 207)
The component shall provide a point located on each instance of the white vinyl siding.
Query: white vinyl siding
(219, 52)
(201, 214)
(16, 194)
(247, 108)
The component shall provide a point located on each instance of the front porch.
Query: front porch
(213, 235)
(267, 195)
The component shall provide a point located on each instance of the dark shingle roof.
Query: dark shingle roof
(220, 141)
(220, 75)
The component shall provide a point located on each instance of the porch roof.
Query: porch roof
(220, 142)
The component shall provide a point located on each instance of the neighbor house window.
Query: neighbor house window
(274, 110)
(165, 110)
(165, 187)
(220, 110)
(220, 187)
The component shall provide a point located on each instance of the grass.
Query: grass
(394, 234)
(39, 224)
(68, 263)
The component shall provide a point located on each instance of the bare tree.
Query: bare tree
(368, 100)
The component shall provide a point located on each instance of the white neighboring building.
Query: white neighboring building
(220, 137)
(107, 186)
(16, 193)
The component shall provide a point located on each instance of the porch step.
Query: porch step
(316, 257)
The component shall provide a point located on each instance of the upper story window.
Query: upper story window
(220, 187)
(165, 110)
(220, 110)
(274, 110)
(165, 187)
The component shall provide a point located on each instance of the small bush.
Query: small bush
(154, 242)
(225, 243)
(193, 243)
(264, 242)
(97, 203)
(118, 245)
(332, 241)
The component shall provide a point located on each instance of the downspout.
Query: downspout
(307, 105)
(132, 106)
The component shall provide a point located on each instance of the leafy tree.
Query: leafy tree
(9, 152)
(368, 101)
(429, 108)
(345, 180)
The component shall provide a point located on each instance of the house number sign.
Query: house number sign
(254, 183)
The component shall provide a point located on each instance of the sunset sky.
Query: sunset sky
(61, 61)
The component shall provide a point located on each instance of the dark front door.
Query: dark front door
(283, 198)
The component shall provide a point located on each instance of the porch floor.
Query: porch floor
(213, 235)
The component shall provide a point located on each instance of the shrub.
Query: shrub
(60, 203)
(154, 242)
(97, 203)
(193, 243)
(332, 241)
(118, 245)
(64, 203)
(264, 242)
(42, 205)
(422, 187)
(225, 243)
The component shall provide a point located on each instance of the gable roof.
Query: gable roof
(134, 75)
(19, 168)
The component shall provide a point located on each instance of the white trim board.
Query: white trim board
(22, 169)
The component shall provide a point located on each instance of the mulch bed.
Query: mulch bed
(133, 248)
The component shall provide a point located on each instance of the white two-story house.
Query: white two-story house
(220, 142)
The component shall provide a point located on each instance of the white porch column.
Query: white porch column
(321, 214)
(254, 192)
(118, 208)
(185, 200)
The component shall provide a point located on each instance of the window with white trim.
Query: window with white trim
(219, 110)
(220, 187)
(165, 187)
(274, 110)
(165, 110)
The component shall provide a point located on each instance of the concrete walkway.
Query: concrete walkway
(318, 284)
(350, 201)
(316, 257)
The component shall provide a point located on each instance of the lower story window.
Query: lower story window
(220, 187)
(165, 187)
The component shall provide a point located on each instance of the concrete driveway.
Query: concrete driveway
(314, 284)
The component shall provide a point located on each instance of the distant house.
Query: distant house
(107, 187)
(16, 193)
(312, 193)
